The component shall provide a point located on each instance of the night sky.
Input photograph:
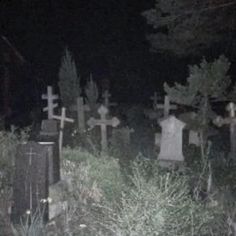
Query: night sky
(106, 37)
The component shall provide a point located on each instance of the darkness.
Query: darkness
(107, 38)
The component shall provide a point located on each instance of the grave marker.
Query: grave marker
(231, 121)
(122, 135)
(194, 138)
(155, 98)
(50, 97)
(49, 128)
(171, 141)
(166, 106)
(103, 122)
(30, 183)
(62, 120)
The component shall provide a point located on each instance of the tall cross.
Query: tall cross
(80, 108)
(167, 106)
(231, 120)
(50, 97)
(62, 118)
(103, 123)
(106, 95)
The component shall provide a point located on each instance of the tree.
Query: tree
(187, 27)
(69, 82)
(207, 82)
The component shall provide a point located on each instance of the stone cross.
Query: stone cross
(103, 122)
(50, 97)
(62, 119)
(81, 108)
(171, 141)
(106, 95)
(166, 107)
(231, 120)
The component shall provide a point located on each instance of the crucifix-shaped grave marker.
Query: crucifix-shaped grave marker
(106, 95)
(50, 97)
(62, 118)
(81, 108)
(103, 122)
(166, 106)
(155, 98)
(231, 120)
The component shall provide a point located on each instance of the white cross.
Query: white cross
(106, 95)
(103, 122)
(231, 120)
(167, 107)
(62, 119)
(50, 97)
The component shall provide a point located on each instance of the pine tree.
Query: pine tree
(186, 27)
(207, 83)
(69, 82)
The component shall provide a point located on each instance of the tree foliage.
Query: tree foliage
(207, 82)
(69, 82)
(187, 27)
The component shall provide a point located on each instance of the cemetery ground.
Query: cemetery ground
(125, 191)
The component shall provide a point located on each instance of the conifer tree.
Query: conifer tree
(207, 83)
(69, 81)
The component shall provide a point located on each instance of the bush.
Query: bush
(162, 205)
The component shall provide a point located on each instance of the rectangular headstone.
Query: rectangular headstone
(30, 183)
(49, 128)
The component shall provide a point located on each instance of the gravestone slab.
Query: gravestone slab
(121, 136)
(49, 128)
(53, 161)
(30, 183)
(194, 138)
(171, 141)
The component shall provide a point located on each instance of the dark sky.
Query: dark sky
(107, 38)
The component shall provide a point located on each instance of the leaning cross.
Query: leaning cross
(103, 122)
(106, 95)
(62, 119)
(167, 106)
(50, 97)
(231, 120)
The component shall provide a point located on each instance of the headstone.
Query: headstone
(30, 183)
(194, 138)
(81, 108)
(166, 107)
(231, 121)
(53, 161)
(103, 122)
(49, 128)
(62, 120)
(171, 141)
(122, 135)
(106, 95)
(157, 141)
(50, 97)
